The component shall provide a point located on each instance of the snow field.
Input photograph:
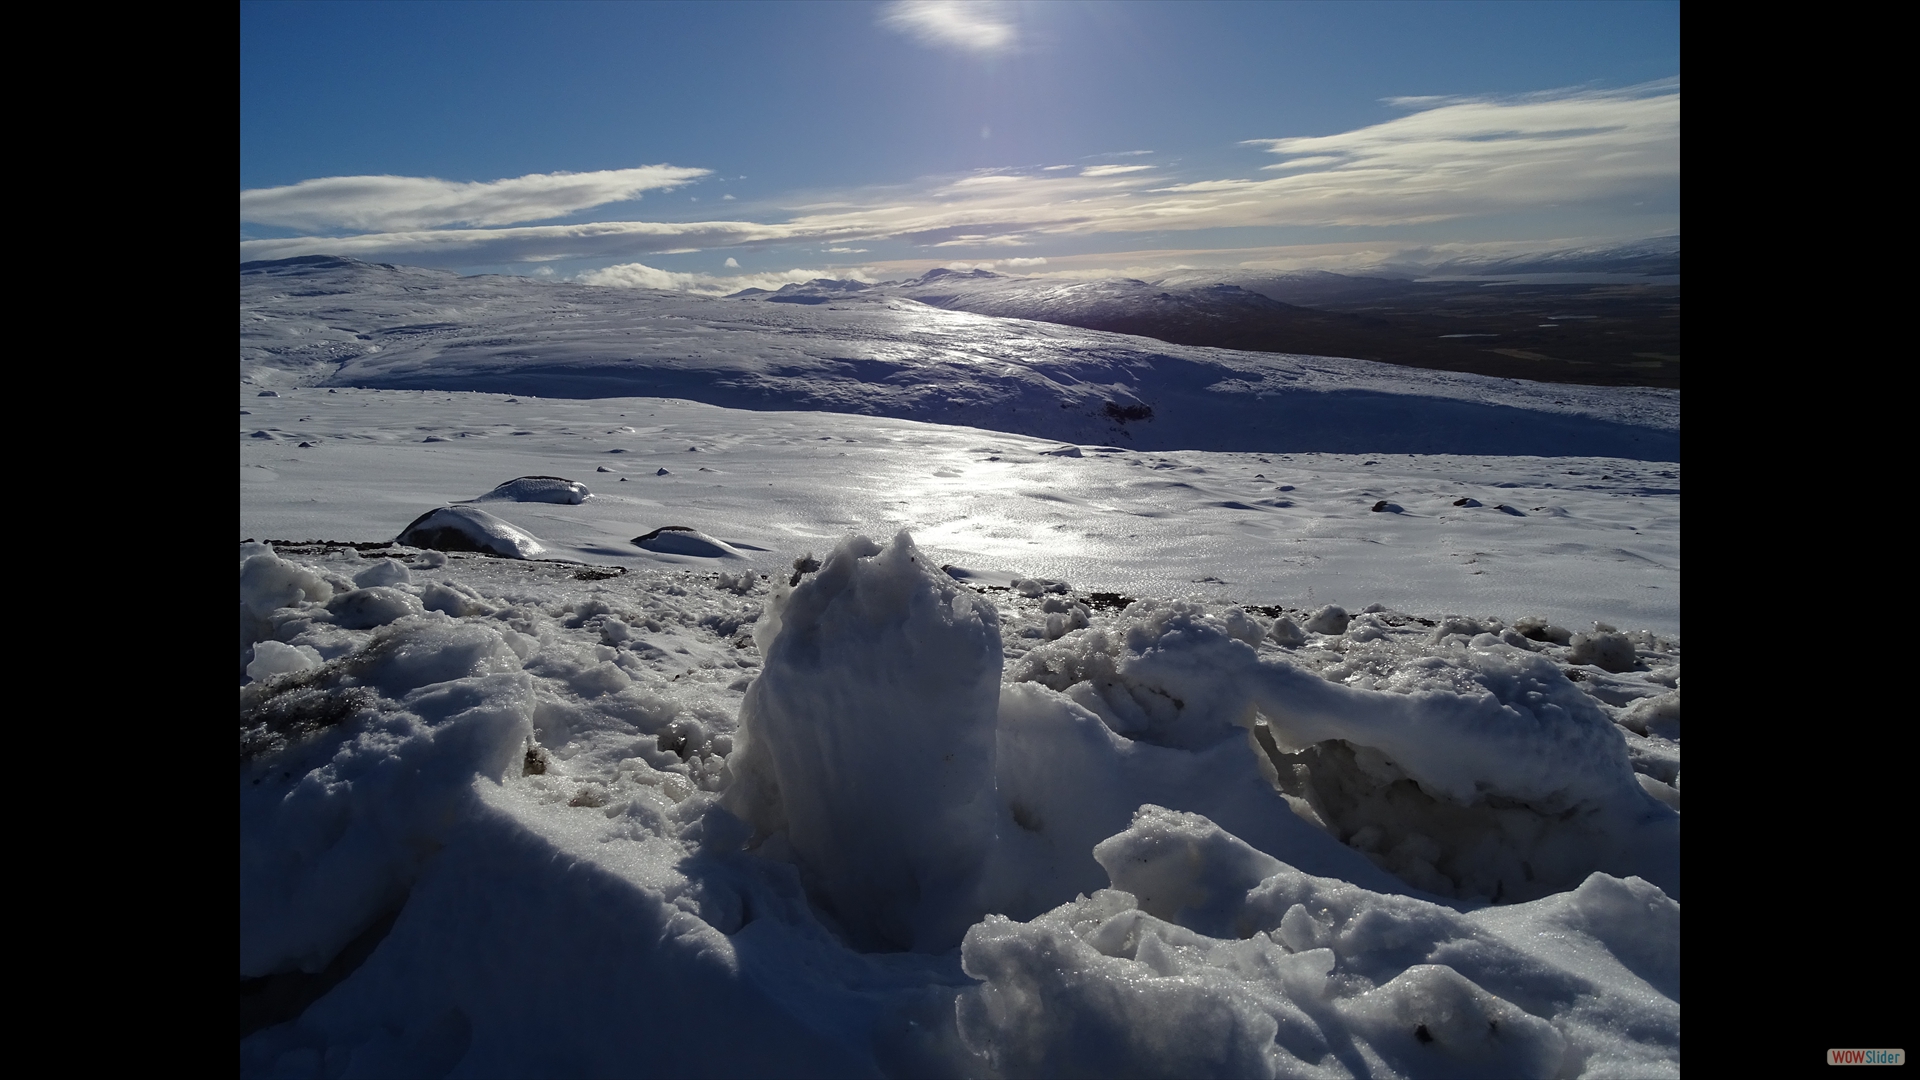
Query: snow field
(1075, 750)
(1595, 538)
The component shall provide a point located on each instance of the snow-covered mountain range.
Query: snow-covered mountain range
(331, 322)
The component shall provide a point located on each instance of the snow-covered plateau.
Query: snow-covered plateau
(637, 684)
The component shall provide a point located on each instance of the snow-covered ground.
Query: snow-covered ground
(932, 749)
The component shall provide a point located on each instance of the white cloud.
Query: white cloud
(733, 263)
(641, 276)
(1023, 262)
(1588, 152)
(532, 243)
(977, 26)
(1457, 157)
(1112, 170)
(982, 240)
(389, 203)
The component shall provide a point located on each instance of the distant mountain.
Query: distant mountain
(1655, 257)
(1304, 288)
(817, 291)
(1220, 315)
(1624, 330)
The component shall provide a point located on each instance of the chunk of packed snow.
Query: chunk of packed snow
(1332, 619)
(272, 658)
(384, 572)
(364, 609)
(866, 745)
(268, 582)
(1609, 651)
(1285, 631)
(1538, 629)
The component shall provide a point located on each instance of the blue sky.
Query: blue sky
(711, 145)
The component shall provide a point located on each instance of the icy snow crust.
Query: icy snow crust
(894, 824)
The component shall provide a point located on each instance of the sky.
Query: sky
(705, 145)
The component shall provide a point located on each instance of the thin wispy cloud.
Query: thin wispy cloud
(1466, 156)
(974, 26)
(391, 203)
(1456, 159)
(983, 240)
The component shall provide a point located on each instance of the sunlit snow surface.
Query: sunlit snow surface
(1580, 539)
(613, 811)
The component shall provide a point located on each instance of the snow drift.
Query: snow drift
(1140, 847)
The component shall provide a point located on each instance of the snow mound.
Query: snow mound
(686, 540)
(546, 489)
(465, 528)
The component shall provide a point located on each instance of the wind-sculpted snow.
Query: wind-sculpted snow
(1207, 958)
(885, 822)
(341, 323)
